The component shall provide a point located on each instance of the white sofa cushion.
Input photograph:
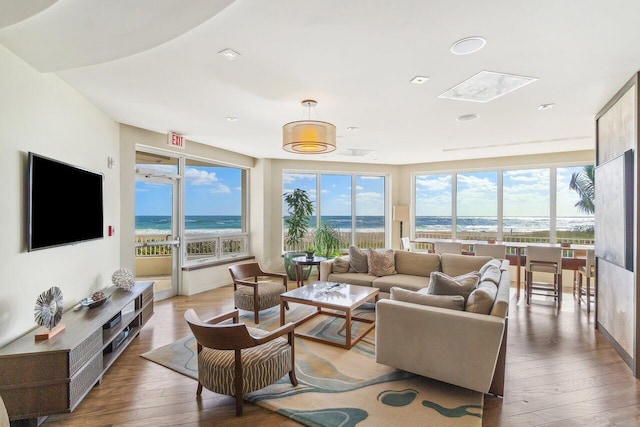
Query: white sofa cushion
(442, 284)
(412, 283)
(357, 260)
(452, 302)
(416, 263)
(455, 265)
(482, 298)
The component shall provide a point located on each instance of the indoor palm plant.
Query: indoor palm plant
(300, 209)
(327, 241)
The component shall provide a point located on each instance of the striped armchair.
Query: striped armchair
(234, 359)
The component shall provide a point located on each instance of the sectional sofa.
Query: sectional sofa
(465, 346)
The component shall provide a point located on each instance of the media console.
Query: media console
(39, 378)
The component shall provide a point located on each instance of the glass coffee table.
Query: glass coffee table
(340, 297)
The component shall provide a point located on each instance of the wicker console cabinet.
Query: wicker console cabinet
(39, 378)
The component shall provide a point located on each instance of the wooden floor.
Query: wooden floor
(560, 372)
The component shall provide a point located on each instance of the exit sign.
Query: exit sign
(175, 140)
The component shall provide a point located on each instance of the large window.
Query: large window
(527, 205)
(532, 205)
(433, 206)
(573, 224)
(477, 205)
(353, 204)
(214, 210)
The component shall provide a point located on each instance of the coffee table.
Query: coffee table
(341, 297)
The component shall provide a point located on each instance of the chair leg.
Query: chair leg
(199, 391)
(237, 382)
(579, 288)
(588, 295)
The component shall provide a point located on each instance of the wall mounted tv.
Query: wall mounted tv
(65, 203)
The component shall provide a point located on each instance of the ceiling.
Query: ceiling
(154, 64)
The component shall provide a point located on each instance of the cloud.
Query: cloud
(200, 177)
(288, 178)
(370, 177)
(433, 183)
(220, 189)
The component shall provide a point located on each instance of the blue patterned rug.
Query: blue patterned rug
(340, 387)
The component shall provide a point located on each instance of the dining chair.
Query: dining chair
(234, 359)
(587, 272)
(448, 248)
(492, 250)
(255, 289)
(544, 259)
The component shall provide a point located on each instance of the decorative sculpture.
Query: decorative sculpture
(123, 279)
(48, 312)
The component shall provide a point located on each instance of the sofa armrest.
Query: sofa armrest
(456, 347)
(326, 267)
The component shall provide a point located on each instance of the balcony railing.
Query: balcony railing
(365, 239)
(198, 248)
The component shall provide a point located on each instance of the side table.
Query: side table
(302, 261)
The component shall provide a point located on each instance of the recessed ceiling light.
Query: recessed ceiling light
(232, 119)
(467, 45)
(467, 117)
(543, 107)
(229, 54)
(353, 128)
(418, 80)
(486, 86)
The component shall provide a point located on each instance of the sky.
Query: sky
(335, 193)
(525, 193)
(208, 191)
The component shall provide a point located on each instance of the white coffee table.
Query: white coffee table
(343, 298)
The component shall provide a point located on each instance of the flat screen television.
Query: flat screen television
(65, 203)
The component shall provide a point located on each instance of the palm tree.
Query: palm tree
(583, 183)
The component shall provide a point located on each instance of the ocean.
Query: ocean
(224, 224)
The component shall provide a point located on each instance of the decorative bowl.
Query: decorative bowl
(91, 303)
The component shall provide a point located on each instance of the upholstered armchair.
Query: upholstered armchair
(256, 290)
(234, 359)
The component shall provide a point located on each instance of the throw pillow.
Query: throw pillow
(482, 298)
(340, 265)
(381, 263)
(357, 260)
(491, 274)
(452, 302)
(493, 262)
(441, 284)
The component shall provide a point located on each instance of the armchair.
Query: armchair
(253, 295)
(234, 359)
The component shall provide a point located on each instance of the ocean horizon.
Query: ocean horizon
(224, 224)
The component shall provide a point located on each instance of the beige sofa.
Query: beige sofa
(458, 347)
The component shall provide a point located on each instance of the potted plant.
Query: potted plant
(327, 240)
(300, 209)
(310, 251)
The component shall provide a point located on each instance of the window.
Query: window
(433, 206)
(477, 205)
(214, 211)
(306, 182)
(353, 204)
(510, 205)
(370, 208)
(572, 224)
(526, 205)
(336, 203)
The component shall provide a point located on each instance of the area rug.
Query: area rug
(340, 387)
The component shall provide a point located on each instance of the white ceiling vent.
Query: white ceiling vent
(355, 152)
(486, 86)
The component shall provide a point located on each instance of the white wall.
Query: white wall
(40, 113)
